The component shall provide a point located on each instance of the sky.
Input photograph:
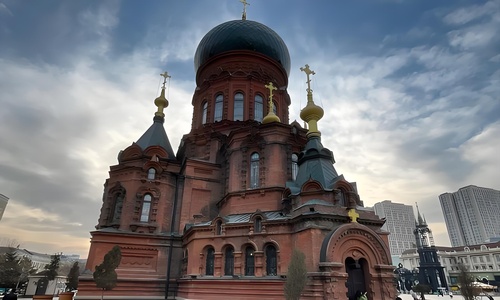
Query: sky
(410, 90)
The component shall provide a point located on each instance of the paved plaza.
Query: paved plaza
(434, 297)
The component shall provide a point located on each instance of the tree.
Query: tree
(296, 277)
(10, 270)
(27, 267)
(73, 275)
(50, 271)
(466, 282)
(422, 289)
(105, 275)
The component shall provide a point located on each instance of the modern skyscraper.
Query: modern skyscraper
(3, 204)
(471, 215)
(400, 222)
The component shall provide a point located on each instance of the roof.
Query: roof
(156, 136)
(245, 218)
(316, 163)
(242, 35)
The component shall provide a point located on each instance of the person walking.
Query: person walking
(11, 295)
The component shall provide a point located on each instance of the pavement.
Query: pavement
(403, 297)
(446, 297)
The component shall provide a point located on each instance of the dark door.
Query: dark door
(41, 286)
(355, 278)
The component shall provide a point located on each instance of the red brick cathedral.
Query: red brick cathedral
(219, 219)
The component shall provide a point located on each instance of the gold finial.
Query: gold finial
(245, 3)
(271, 116)
(311, 113)
(353, 215)
(161, 102)
(308, 72)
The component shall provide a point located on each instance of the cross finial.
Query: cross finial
(308, 72)
(271, 88)
(245, 3)
(353, 215)
(165, 76)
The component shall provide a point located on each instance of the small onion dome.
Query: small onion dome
(270, 118)
(242, 35)
(161, 102)
(312, 114)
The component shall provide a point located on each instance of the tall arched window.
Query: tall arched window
(218, 227)
(210, 261)
(257, 224)
(295, 166)
(151, 173)
(238, 106)
(218, 107)
(254, 170)
(146, 208)
(229, 261)
(249, 262)
(258, 108)
(204, 113)
(117, 212)
(271, 261)
(275, 108)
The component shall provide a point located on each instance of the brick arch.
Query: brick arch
(356, 241)
(248, 243)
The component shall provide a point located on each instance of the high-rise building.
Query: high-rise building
(3, 204)
(219, 219)
(471, 215)
(400, 222)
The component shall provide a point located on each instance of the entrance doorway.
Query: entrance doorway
(355, 276)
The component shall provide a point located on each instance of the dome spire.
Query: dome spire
(271, 116)
(244, 15)
(161, 102)
(311, 113)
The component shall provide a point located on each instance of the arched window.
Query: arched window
(258, 108)
(275, 108)
(249, 262)
(229, 261)
(204, 113)
(218, 107)
(257, 224)
(218, 227)
(254, 170)
(117, 212)
(146, 208)
(238, 106)
(210, 261)
(295, 166)
(151, 173)
(271, 261)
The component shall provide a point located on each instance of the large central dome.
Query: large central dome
(242, 35)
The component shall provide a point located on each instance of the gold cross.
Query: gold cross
(271, 88)
(245, 3)
(308, 72)
(353, 215)
(165, 76)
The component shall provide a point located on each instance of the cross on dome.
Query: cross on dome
(245, 3)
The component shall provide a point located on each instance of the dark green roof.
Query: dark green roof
(242, 35)
(156, 136)
(316, 163)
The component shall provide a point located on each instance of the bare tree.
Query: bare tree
(296, 277)
(466, 282)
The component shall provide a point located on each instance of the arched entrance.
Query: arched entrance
(41, 286)
(355, 276)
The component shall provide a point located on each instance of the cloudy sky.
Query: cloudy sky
(410, 90)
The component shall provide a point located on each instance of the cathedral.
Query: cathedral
(220, 218)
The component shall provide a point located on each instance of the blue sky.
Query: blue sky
(410, 90)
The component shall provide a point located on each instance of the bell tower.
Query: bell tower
(431, 272)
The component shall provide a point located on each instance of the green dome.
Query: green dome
(242, 35)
